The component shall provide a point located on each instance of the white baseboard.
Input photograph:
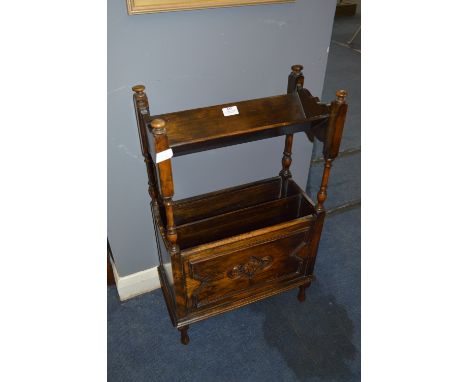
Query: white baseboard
(137, 283)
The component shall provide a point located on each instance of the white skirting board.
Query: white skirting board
(137, 283)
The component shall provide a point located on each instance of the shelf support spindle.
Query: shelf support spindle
(295, 82)
(285, 173)
(161, 144)
(140, 101)
(331, 146)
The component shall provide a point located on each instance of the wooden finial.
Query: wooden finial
(141, 99)
(158, 126)
(340, 95)
(295, 79)
(138, 88)
(297, 69)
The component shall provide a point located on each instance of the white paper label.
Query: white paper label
(164, 155)
(231, 110)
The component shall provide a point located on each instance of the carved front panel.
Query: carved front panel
(250, 268)
(226, 274)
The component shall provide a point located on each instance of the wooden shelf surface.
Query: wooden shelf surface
(207, 128)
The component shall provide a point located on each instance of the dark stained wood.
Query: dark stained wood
(167, 191)
(333, 134)
(331, 146)
(211, 279)
(301, 296)
(296, 85)
(240, 221)
(227, 200)
(244, 298)
(285, 173)
(295, 79)
(322, 194)
(252, 238)
(232, 247)
(142, 112)
(335, 126)
(231, 199)
(165, 180)
(184, 338)
(312, 105)
(204, 128)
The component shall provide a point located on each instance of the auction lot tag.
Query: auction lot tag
(164, 155)
(231, 110)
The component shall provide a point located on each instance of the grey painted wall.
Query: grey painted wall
(200, 58)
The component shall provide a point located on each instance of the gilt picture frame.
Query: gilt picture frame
(136, 7)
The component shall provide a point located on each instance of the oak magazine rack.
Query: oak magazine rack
(228, 248)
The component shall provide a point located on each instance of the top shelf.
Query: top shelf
(207, 128)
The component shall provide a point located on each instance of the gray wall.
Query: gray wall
(199, 58)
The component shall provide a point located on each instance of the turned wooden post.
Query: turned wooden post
(331, 148)
(163, 163)
(161, 145)
(285, 173)
(140, 101)
(295, 82)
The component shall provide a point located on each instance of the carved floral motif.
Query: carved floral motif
(250, 268)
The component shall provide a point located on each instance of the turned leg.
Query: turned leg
(184, 338)
(301, 296)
